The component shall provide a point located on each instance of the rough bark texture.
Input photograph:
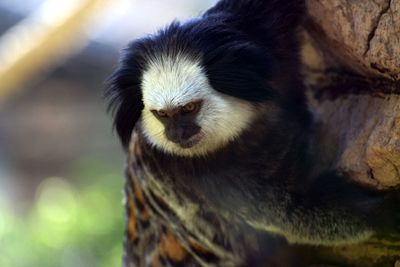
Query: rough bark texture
(352, 65)
(362, 35)
(359, 105)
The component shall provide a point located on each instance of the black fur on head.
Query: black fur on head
(123, 92)
(247, 49)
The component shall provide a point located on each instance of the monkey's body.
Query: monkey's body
(167, 228)
(226, 141)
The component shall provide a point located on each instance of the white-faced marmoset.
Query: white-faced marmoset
(218, 105)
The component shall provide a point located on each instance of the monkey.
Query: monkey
(219, 106)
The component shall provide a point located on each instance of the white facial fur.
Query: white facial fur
(172, 82)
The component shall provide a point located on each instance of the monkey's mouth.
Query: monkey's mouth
(191, 142)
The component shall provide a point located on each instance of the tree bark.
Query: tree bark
(361, 35)
(352, 67)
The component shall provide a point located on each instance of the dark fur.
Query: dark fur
(250, 50)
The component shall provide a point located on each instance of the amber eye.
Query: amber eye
(160, 113)
(189, 107)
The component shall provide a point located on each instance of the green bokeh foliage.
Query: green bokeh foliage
(74, 222)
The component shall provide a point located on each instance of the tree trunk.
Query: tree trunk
(352, 67)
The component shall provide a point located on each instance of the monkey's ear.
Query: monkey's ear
(124, 95)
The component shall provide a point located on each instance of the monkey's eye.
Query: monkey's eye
(191, 107)
(160, 113)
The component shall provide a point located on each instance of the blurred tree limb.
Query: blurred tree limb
(51, 33)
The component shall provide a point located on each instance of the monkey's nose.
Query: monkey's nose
(181, 134)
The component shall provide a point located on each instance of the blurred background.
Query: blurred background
(61, 166)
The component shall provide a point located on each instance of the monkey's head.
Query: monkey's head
(183, 113)
(195, 87)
